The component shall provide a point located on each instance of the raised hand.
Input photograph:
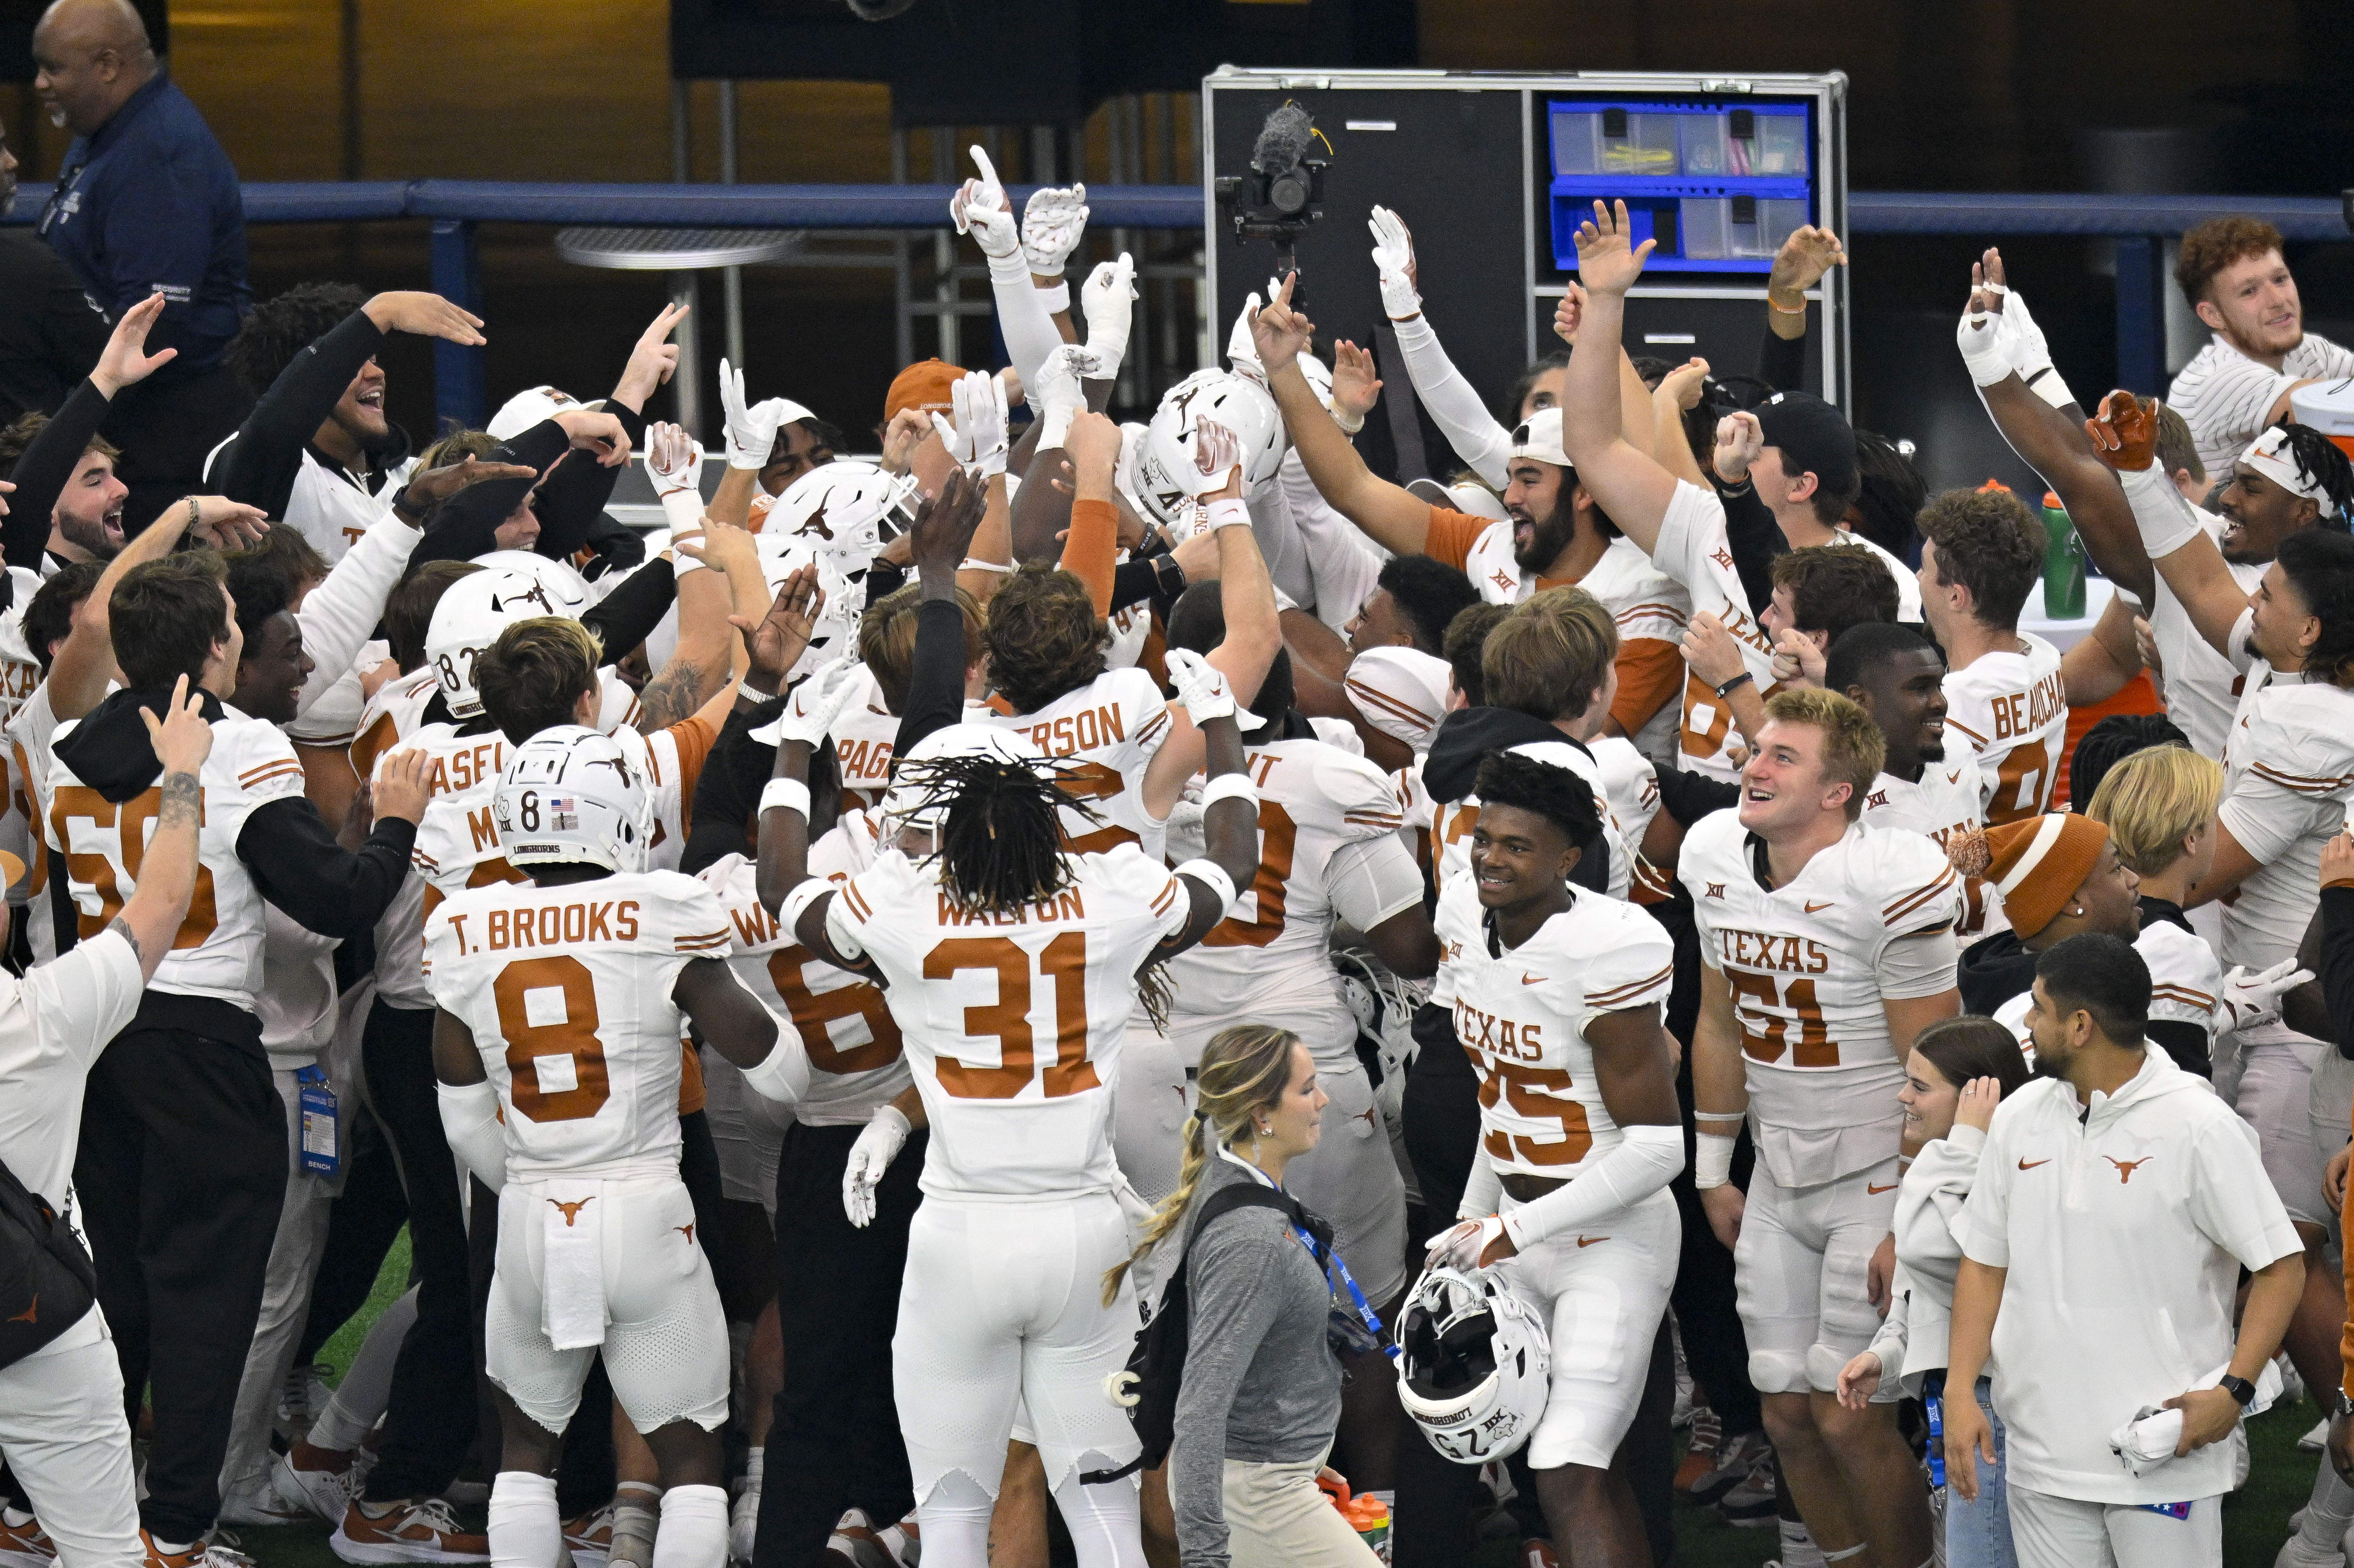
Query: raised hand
(751, 428)
(124, 362)
(1218, 462)
(1808, 254)
(1201, 687)
(1606, 262)
(814, 705)
(1108, 298)
(978, 437)
(1093, 444)
(1393, 255)
(1740, 438)
(1279, 332)
(775, 643)
(1685, 382)
(674, 460)
(654, 359)
(226, 524)
(2125, 432)
(941, 534)
(1053, 221)
(425, 314)
(1355, 387)
(438, 485)
(594, 430)
(182, 738)
(1568, 314)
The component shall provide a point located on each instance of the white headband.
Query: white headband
(2269, 455)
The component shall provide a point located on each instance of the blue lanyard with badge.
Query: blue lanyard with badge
(322, 1147)
(1356, 1334)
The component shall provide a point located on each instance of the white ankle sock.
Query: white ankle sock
(523, 1530)
(693, 1533)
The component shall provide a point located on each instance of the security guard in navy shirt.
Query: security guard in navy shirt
(146, 203)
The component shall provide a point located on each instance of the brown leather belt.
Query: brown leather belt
(1529, 1189)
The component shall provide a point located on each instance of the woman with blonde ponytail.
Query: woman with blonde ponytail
(1261, 1394)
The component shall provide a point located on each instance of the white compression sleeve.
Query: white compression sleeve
(1482, 1194)
(2166, 520)
(1021, 316)
(1645, 1161)
(1453, 402)
(469, 1121)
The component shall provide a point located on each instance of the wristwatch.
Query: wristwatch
(2240, 1389)
(2343, 1408)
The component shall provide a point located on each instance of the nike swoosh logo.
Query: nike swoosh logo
(1869, 1187)
(1589, 1241)
(2031, 1165)
(1813, 909)
(1533, 979)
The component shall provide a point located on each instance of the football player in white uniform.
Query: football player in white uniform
(1001, 1302)
(559, 1009)
(2004, 692)
(1897, 677)
(1557, 997)
(1825, 949)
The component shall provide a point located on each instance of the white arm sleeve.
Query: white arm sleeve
(1343, 565)
(1455, 405)
(1483, 1192)
(783, 1075)
(1643, 1163)
(342, 612)
(469, 1121)
(2166, 520)
(1371, 880)
(1023, 317)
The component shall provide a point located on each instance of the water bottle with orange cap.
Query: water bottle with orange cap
(1368, 1515)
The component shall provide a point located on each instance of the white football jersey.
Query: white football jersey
(1908, 582)
(866, 731)
(2012, 710)
(1013, 1023)
(1692, 551)
(2202, 686)
(217, 952)
(1805, 966)
(568, 991)
(461, 772)
(391, 716)
(1328, 851)
(1945, 800)
(1109, 731)
(1521, 1014)
(856, 1064)
(2288, 776)
(1451, 821)
(2186, 982)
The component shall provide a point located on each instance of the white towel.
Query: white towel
(2148, 1440)
(572, 1263)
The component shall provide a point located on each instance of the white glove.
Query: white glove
(1217, 452)
(751, 431)
(1058, 396)
(984, 192)
(1460, 1247)
(1134, 1211)
(673, 463)
(977, 437)
(1201, 687)
(869, 1157)
(1242, 350)
(1108, 298)
(1394, 254)
(2030, 356)
(2249, 1000)
(813, 705)
(1984, 337)
(1052, 222)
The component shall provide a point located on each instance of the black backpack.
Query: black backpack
(47, 1280)
(1156, 1368)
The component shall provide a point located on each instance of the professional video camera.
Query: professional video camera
(1283, 192)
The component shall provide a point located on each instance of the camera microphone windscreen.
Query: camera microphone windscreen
(1283, 140)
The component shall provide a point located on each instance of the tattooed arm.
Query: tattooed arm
(167, 877)
(700, 669)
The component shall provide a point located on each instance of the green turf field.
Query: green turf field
(2255, 1520)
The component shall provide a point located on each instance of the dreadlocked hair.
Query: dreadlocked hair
(1244, 1072)
(1000, 844)
(2321, 460)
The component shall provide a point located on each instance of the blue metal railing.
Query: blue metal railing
(2139, 224)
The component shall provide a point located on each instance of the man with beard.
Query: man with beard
(317, 452)
(1555, 536)
(49, 337)
(146, 204)
(2231, 273)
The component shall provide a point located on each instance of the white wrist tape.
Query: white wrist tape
(794, 905)
(975, 563)
(1213, 875)
(683, 509)
(1981, 339)
(783, 1075)
(1054, 427)
(1713, 1160)
(1228, 787)
(1057, 299)
(1351, 423)
(790, 793)
(1227, 514)
(2166, 520)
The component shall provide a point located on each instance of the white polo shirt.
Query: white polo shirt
(2123, 1233)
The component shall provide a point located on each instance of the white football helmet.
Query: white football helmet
(914, 800)
(471, 613)
(1235, 401)
(567, 590)
(572, 796)
(534, 406)
(836, 631)
(840, 510)
(1473, 1366)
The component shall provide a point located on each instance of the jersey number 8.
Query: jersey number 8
(572, 1035)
